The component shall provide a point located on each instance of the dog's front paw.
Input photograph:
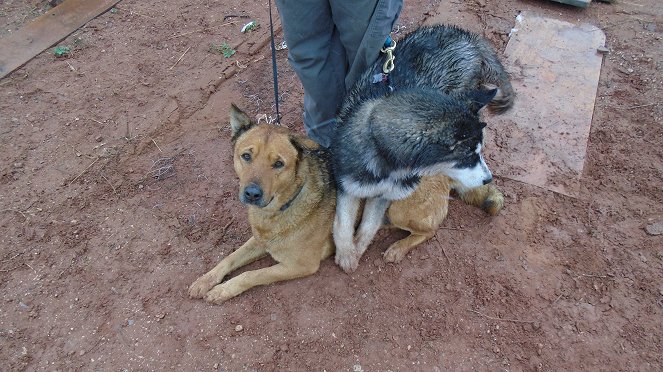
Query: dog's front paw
(348, 261)
(201, 286)
(219, 294)
(394, 255)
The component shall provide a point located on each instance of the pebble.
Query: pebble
(603, 50)
(239, 328)
(18, 164)
(654, 229)
(98, 138)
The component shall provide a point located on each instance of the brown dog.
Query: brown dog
(285, 181)
(422, 212)
(287, 186)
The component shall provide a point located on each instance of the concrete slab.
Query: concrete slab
(555, 68)
(18, 48)
(580, 3)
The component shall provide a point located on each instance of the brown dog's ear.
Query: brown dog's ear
(303, 143)
(239, 122)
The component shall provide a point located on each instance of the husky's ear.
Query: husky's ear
(239, 122)
(303, 143)
(480, 98)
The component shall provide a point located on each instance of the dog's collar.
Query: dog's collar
(289, 202)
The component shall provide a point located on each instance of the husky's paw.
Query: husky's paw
(394, 255)
(219, 294)
(201, 286)
(348, 261)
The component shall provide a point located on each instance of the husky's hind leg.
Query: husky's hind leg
(347, 207)
(371, 221)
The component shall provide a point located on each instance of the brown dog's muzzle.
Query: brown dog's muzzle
(252, 195)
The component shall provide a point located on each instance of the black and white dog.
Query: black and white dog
(420, 119)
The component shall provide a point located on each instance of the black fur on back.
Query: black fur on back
(446, 58)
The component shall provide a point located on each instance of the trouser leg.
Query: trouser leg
(328, 47)
(318, 58)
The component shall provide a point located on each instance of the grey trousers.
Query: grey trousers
(330, 43)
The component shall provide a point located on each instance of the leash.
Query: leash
(388, 66)
(274, 72)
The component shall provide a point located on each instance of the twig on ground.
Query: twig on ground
(453, 228)
(96, 121)
(12, 257)
(84, 170)
(12, 269)
(501, 319)
(155, 144)
(28, 265)
(225, 228)
(109, 184)
(179, 59)
(442, 248)
(201, 30)
(15, 210)
(640, 106)
(235, 16)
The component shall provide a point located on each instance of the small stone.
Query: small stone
(651, 27)
(603, 50)
(98, 138)
(496, 350)
(216, 365)
(81, 353)
(18, 164)
(160, 315)
(283, 348)
(654, 229)
(239, 328)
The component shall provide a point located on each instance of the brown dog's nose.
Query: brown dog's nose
(252, 194)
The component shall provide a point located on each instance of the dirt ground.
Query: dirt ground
(117, 191)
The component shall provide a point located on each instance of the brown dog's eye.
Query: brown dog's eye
(246, 156)
(278, 164)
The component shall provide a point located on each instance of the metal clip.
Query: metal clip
(389, 63)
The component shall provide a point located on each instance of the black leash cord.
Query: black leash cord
(274, 72)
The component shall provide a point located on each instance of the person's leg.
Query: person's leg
(363, 27)
(318, 58)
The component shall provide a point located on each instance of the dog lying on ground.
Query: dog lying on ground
(291, 198)
(286, 184)
(421, 119)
